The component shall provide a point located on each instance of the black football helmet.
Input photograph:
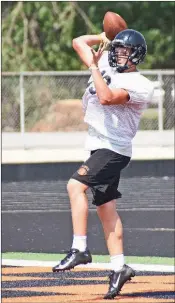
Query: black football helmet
(131, 39)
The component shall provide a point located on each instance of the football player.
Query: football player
(113, 102)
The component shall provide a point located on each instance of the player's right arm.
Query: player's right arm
(82, 45)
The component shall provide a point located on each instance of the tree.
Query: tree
(38, 35)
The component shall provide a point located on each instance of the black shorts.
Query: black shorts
(101, 172)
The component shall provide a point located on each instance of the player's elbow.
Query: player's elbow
(75, 43)
(105, 101)
(112, 101)
(118, 97)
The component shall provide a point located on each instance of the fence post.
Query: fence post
(22, 109)
(160, 106)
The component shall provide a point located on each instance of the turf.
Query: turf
(96, 259)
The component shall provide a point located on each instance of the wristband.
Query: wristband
(93, 67)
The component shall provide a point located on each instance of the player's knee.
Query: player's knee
(74, 186)
(71, 186)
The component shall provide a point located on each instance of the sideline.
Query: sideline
(138, 267)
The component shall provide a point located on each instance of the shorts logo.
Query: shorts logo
(83, 170)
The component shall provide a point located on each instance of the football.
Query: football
(113, 24)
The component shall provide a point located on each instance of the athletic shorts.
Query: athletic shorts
(101, 173)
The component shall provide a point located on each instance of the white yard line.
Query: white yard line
(138, 267)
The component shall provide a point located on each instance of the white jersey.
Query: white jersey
(114, 126)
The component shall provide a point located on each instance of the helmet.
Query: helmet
(131, 39)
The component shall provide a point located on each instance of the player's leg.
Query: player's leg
(79, 254)
(113, 230)
(79, 206)
(77, 185)
(105, 196)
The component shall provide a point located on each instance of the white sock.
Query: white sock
(117, 262)
(79, 242)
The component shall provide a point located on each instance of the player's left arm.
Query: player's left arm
(106, 95)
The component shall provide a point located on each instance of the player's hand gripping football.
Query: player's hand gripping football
(104, 39)
(102, 47)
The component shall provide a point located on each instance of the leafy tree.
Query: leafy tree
(38, 35)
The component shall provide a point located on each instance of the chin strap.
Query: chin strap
(121, 69)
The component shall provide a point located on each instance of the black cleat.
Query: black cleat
(117, 279)
(73, 258)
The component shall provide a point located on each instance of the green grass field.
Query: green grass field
(96, 259)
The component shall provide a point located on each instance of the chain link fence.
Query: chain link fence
(50, 101)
